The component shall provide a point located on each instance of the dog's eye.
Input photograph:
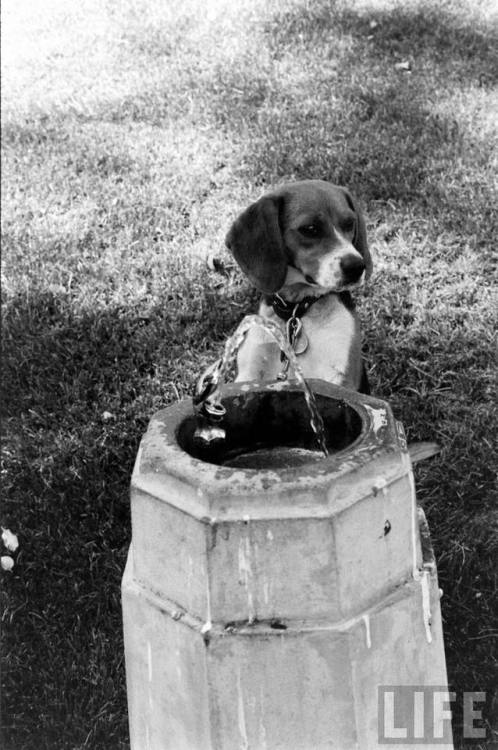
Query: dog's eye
(347, 225)
(310, 230)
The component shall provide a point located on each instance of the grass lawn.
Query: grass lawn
(132, 134)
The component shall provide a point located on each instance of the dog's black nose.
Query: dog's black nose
(352, 266)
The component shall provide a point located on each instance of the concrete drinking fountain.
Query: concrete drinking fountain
(279, 571)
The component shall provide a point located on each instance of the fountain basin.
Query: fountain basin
(269, 428)
(262, 418)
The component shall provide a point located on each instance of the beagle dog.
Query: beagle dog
(304, 247)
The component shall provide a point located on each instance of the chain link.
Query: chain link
(294, 329)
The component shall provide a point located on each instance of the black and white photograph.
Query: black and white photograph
(249, 337)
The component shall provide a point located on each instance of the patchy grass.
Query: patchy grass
(127, 149)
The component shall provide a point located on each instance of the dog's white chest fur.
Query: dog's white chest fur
(332, 334)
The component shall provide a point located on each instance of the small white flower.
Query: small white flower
(106, 415)
(6, 562)
(10, 540)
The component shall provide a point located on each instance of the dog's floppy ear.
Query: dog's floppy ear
(360, 234)
(257, 245)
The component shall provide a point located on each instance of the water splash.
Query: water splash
(234, 343)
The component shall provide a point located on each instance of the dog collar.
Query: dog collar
(285, 309)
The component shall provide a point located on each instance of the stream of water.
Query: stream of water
(232, 346)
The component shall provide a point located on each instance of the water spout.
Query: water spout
(209, 411)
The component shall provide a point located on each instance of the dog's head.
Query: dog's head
(309, 232)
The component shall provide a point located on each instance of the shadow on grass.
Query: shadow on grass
(381, 133)
(65, 369)
(79, 388)
(68, 470)
(464, 48)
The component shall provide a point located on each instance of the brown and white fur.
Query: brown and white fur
(305, 239)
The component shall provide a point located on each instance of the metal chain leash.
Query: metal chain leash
(297, 340)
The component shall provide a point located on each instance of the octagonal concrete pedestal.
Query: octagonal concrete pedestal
(263, 608)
